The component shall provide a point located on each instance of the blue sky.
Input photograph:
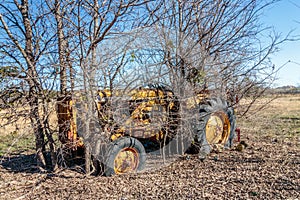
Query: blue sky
(284, 16)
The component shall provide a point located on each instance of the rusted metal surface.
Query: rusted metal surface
(140, 113)
(149, 112)
(67, 123)
(217, 128)
(126, 161)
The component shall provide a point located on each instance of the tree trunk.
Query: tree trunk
(61, 49)
(35, 87)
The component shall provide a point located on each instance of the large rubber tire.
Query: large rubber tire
(216, 126)
(124, 155)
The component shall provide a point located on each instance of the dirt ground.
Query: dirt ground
(269, 168)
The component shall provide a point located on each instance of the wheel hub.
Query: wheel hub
(126, 161)
(217, 128)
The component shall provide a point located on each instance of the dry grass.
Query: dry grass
(279, 119)
(16, 130)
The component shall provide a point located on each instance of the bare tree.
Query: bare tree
(96, 21)
(23, 45)
(200, 45)
(189, 45)
(216, 44)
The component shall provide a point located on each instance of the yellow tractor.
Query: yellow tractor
(129, 123)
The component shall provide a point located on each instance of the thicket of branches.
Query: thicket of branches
(52, 49)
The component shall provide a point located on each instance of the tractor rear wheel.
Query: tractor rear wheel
(216, 127)
(124, 155)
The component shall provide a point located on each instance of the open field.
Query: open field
(269, 168)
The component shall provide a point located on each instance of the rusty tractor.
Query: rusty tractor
(126, 125)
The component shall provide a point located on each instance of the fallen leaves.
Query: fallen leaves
(268, 168)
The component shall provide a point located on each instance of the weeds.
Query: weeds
(15, 143)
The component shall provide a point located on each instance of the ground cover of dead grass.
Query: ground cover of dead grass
(269, 168)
